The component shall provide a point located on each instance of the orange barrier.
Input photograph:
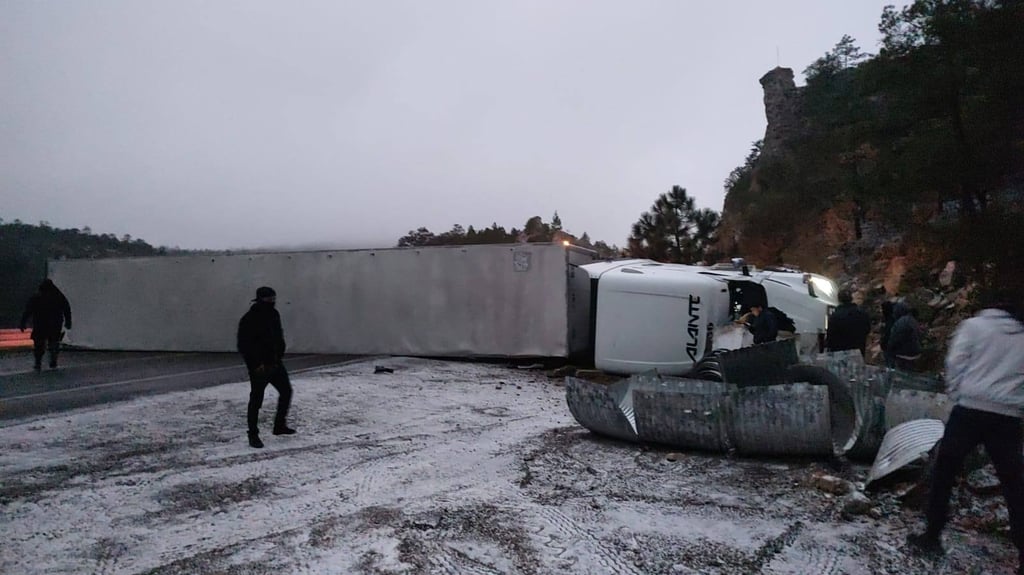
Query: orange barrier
(15, 339)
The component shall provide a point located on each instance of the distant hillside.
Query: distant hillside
(25, 248)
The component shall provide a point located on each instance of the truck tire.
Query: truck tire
(708, 368)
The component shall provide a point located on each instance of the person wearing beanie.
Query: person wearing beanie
(48, 310)
(904, 346)
(848, 326)
(261, 343)
(985, 380)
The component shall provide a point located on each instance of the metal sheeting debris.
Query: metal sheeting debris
(904, 405)
(919, 381)
(842, 413)
(790, 419)
(596, 407)
(783, 420)
(869, 392)
(763, 364)
(861, 402)
(687, 413)
(905, 444)
(868, 387)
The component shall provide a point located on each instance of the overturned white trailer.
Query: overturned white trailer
(486, 300)
(519, 300)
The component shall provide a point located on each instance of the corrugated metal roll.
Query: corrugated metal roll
(790, 419)
(842, 411)
(869, 390)
(686, 413)
(763, 364)
(904, 405)
(596, 407)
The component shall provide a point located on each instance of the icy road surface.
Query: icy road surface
(440, 467)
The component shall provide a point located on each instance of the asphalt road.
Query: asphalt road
(88, 377)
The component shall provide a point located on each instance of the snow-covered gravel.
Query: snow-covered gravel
(439, 467)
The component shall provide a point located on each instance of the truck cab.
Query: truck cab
(648, 315)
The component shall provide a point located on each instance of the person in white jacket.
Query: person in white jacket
(985, 380)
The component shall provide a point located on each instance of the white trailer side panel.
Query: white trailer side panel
(497, 300)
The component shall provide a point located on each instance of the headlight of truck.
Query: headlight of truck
(823, 286)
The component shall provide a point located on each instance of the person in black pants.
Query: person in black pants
(985, 377)
(49, 310)
(261, 343)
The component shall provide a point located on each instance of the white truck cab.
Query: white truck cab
(651, 315)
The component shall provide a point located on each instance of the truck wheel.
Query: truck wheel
(708, 368)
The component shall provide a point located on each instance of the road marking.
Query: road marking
(108, 362)
(156, 377)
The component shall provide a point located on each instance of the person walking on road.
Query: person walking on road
(848, 327)
(48, 311)
(985, 379)
(261, 343)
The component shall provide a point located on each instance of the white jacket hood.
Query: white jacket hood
(985, 363)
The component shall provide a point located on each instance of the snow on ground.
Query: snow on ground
(440, 467)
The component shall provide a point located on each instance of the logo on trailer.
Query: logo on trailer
(693, 328)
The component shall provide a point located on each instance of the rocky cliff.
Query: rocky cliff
(824, 194)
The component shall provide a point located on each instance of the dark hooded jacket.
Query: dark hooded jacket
(905, 337)
(848, 328)
(764, 327)
(48, 310)
(260, 336)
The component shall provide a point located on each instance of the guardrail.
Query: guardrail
(15, 339)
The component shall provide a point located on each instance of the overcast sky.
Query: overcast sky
(243, 124)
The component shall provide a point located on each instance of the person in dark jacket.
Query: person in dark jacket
(261, 343)
(905, 338)
(848, 327)
(48, 310)
(985, 379)
(762, 324)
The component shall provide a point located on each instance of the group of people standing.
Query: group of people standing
(849, 327)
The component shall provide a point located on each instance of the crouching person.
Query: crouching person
(261, 343)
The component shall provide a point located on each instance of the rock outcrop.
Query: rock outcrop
(782, 107)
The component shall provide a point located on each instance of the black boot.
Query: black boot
(254, 441)
(925, 544)
(283, 430)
